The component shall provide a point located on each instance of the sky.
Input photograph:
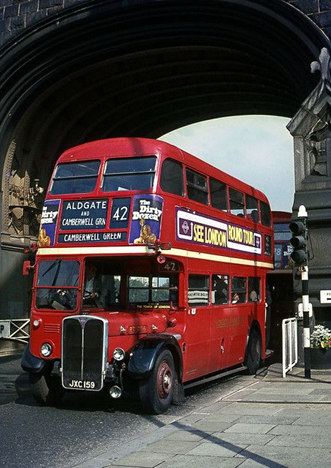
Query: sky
(256, 149)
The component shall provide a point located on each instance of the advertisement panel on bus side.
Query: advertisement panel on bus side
(200, 229)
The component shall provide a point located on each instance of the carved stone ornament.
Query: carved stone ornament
(314, 115)
(22, 197)
(323, 65)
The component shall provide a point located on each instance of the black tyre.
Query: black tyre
(253, 353)
(46, 390)
(156, 392)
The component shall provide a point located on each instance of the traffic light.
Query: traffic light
(299, 242)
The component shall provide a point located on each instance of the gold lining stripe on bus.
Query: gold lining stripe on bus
(145, 250)
(220, 258)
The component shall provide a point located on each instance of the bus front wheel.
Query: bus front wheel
(156, 392)
(253, 356)
(46, 390)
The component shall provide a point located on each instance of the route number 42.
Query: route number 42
(170, 266)
(121, 214)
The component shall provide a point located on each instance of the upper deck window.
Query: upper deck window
(218, 195)
(172, 180)
(252, 209)
(265, 214)
(237, 205)
(197, 188)
(129, 174)
(76, 177)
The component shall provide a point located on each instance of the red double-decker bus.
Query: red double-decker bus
(150, 274)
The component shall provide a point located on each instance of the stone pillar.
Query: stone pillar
(311, 129)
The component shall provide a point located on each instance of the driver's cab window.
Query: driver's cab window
(101, 285)
(92, 294)
(57, 284)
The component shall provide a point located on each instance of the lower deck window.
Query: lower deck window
(254, 289)
(152, 289)
(220, 290)
(198, 290)
(238, 290)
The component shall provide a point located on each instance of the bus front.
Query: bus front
(103, 294)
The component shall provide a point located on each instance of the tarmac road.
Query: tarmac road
(242, 421)
(85, 425)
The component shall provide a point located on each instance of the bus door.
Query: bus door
(245, 306)
(197, 333)
(219, 335)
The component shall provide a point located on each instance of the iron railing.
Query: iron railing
(289, 344)
(15, 329)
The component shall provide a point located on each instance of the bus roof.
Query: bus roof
(281, 216)
(131, 146)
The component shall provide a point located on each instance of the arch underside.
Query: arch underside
(107, 70)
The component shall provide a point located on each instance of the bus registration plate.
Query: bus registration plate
(82, 384)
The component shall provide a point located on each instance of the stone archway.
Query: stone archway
(103, 69)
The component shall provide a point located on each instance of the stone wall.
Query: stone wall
(18, 15)
(318, 11)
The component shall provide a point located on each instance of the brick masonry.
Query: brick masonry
(18, 15)
(317, 10)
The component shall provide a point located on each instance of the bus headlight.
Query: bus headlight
(46, 349)
(118, 354)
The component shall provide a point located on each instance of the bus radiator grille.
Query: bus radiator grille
(83, 352)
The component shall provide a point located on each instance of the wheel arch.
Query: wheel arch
(253, 326)
(145, 353)
(31, 363)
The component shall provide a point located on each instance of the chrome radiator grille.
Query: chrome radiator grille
(84, 352)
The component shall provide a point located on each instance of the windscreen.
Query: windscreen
(57, 284)
(129, 174)
(76, 177)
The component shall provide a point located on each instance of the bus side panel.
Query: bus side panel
(220, 340)
(197, 339)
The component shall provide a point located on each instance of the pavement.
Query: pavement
(266, 421)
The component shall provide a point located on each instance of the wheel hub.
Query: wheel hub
(164, 380)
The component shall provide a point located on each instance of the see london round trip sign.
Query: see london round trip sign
(203, 230)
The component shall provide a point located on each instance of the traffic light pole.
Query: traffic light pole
(306, 325)
(300, 259)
